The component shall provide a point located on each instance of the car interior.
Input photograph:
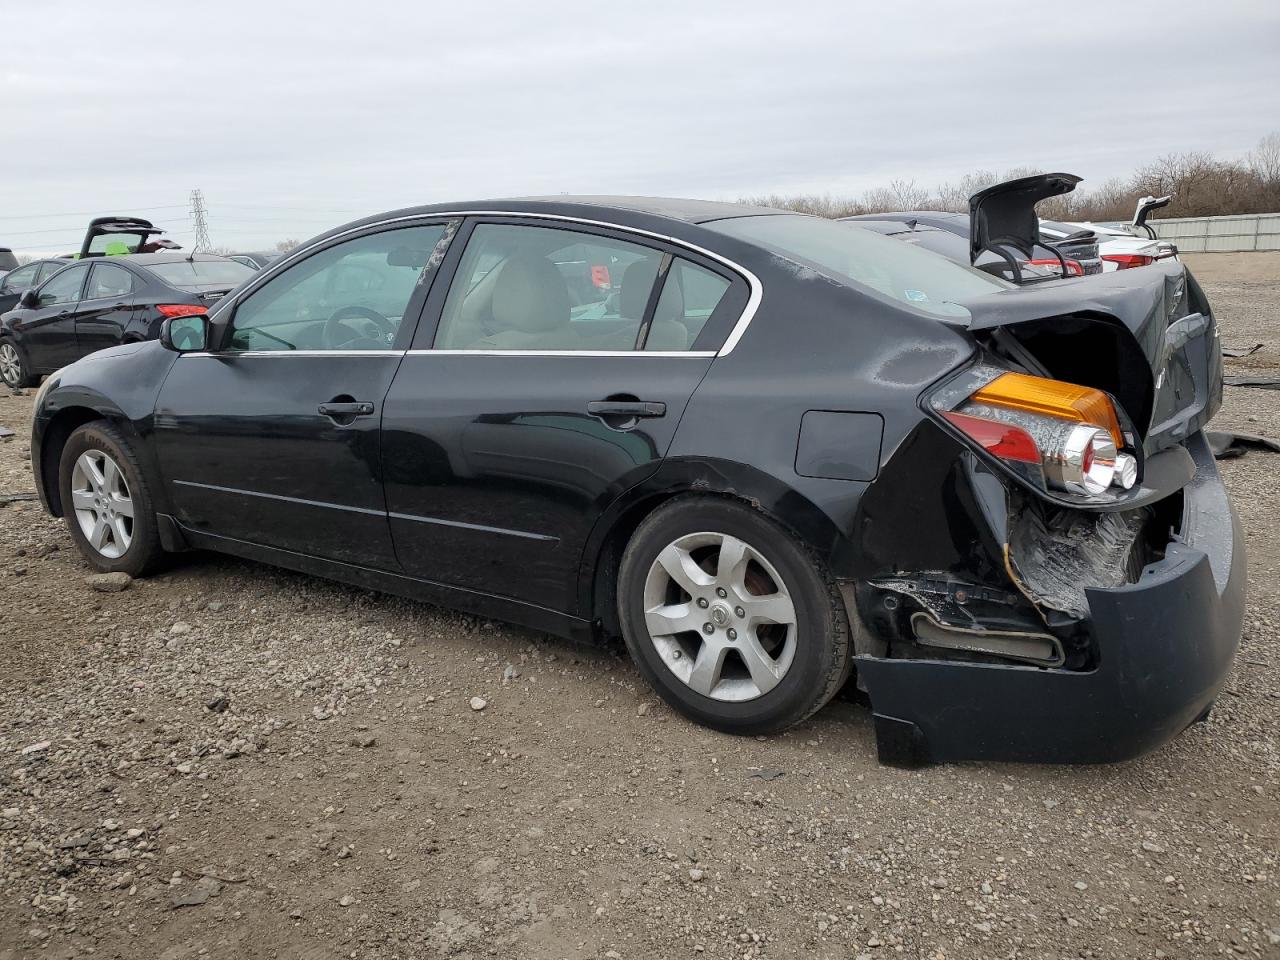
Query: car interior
(533, 288)
(517, 288)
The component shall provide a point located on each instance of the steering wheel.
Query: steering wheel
(338, 334)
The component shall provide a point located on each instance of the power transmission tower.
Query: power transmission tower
(200, 223)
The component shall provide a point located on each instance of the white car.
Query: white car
(1125, 245)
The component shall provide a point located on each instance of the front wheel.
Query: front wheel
(106, 501)
(730, 618)
(13, 367)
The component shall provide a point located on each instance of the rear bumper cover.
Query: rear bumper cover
(1166, 644)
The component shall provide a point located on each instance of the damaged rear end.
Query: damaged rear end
(1051, 568)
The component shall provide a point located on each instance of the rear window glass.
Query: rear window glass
(194, 273)
(900, 271)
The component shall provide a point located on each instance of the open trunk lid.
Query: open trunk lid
(1146, 336)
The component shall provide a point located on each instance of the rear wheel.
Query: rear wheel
(13, 367)
(730, 618)
(106, 501)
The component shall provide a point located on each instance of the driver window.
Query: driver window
(351, 296)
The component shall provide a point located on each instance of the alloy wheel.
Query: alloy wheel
(10, 364)
(720, 616)
(102, 502)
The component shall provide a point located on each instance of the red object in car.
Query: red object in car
(181, 309)
(600, 277)
(1124, 261)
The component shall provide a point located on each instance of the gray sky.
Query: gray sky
(293, 117)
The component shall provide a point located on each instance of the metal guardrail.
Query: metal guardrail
(1251, 231)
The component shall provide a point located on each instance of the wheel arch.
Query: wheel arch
(740, 483)
(58, 430)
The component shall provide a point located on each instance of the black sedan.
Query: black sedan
(768, 450)
(13, 285)
(105, 301)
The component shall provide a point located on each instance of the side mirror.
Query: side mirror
(185, 334)
(29, 298)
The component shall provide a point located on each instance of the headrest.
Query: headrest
(633, 292)
(530, 295)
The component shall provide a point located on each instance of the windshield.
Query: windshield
(900, 271)
(194, 273)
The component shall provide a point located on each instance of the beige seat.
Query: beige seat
(530, 308)
(666, 332)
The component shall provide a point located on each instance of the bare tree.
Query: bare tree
(284, 246)
(1201, 185)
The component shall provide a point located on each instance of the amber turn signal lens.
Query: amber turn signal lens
(1054, 398)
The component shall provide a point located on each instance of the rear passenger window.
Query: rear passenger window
(108, 280)
(545, 289)
(690, 295)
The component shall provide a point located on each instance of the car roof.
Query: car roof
(671, 208)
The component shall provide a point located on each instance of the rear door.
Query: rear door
(272, 437)
(534, 402)
(105, 308)
(48, 330)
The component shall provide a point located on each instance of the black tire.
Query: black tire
(821, 660)
(143, 551)
(23, 376)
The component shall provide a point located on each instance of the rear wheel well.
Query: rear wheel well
(608, 561)
(64, 423)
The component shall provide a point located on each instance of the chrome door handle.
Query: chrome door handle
(354, 408)
(627, 408)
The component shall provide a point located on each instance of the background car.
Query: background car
(1072, 242)
(104, 301)
(257, 259)
(954, 247)
(782, 450)
(18, 281)
(7, 260)
(1118, 249)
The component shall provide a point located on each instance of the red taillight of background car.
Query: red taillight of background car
(600, 277)
(1124, 261)
(181, 309)
(1073, 266)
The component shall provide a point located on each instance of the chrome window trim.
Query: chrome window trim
(227, 354)
(561, 353)
(756, 290)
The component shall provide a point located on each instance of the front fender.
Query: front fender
(121, 385)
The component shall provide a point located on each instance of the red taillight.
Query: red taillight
(1073, 266)
(181, 309)
(1124, 261)
(1001, 439)
(600, 277)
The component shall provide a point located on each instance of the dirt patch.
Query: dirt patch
(227, 760)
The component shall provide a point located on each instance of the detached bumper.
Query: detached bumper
(1166, 645)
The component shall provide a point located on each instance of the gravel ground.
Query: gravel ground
(231, 761)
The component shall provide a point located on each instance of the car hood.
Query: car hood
(1165, 317)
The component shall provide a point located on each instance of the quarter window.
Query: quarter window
(351, 296)
(545, 289)
(107, 281)
(689, 296)
(63, 287)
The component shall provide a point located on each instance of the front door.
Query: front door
(48, 330)
(562, 363)
(105, 308)
(272, 438)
